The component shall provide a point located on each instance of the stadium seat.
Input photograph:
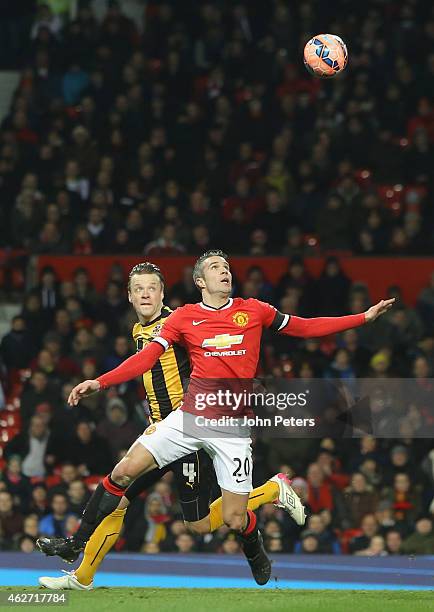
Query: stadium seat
(35, 480)
(17, 279)
(52, 481)
(8, 433)
(393, 198)
(346, 537)
(363, 177)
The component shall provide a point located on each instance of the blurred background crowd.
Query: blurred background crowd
(203, 126)
(191, 128)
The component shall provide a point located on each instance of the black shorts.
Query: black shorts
(193, 478)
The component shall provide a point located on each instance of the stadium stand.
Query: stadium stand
(192, 128)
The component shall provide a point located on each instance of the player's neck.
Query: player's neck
(145, 320)
(215, 300)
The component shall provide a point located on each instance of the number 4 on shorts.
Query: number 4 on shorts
(189, 471)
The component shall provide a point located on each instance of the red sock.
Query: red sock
(251, 523)
(113, 488)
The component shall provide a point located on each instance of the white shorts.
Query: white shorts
(231, 454)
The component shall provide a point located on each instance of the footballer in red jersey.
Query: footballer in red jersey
(222, 337)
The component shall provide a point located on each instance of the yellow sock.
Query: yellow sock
(265, 494)
(100, 543)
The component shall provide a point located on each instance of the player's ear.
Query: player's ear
(129, 298)
(200, 283)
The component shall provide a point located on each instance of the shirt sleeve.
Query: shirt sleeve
(321, 326)
(271, 317)
(133, 366)
(170, 332)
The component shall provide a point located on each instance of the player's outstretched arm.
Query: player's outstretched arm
(130, 368)
(376, 311)
(324, 326)
(83, 389)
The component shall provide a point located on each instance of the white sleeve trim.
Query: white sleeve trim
(284, 322)
(161, 341)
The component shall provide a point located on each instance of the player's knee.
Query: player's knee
(235, 520)
(121, 479)
(197, 527)
(126, 472)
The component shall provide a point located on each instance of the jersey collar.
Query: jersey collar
(227, 305)
(165, 312)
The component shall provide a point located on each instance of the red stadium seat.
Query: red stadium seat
(8, 433)
(35, 480)
(363, 177)
(52, 481)
(17, 278)
(346, 537)
(393, 198)
(10, 418)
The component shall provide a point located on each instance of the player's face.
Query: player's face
(146, 295)
(217, 276)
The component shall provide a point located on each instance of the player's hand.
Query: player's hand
(88, 387)
(376, 311)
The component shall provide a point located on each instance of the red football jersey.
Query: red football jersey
(222, 344)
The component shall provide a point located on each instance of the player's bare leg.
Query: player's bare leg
(103, 502)
(103, 539)
(277, 490)
(234, 507)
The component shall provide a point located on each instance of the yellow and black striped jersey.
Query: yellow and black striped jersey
(164, 382)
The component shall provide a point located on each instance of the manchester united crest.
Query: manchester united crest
(241, 318)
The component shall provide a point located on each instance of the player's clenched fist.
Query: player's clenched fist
(88, 387)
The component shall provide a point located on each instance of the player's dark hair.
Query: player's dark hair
(145, 267)
(198, 266)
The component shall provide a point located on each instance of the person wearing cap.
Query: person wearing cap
(385, 516)
(398, 462)
(380, 364)
(116, 428)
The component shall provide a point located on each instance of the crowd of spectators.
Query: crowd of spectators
(367, 496)
(202, 129)
(200, 126)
